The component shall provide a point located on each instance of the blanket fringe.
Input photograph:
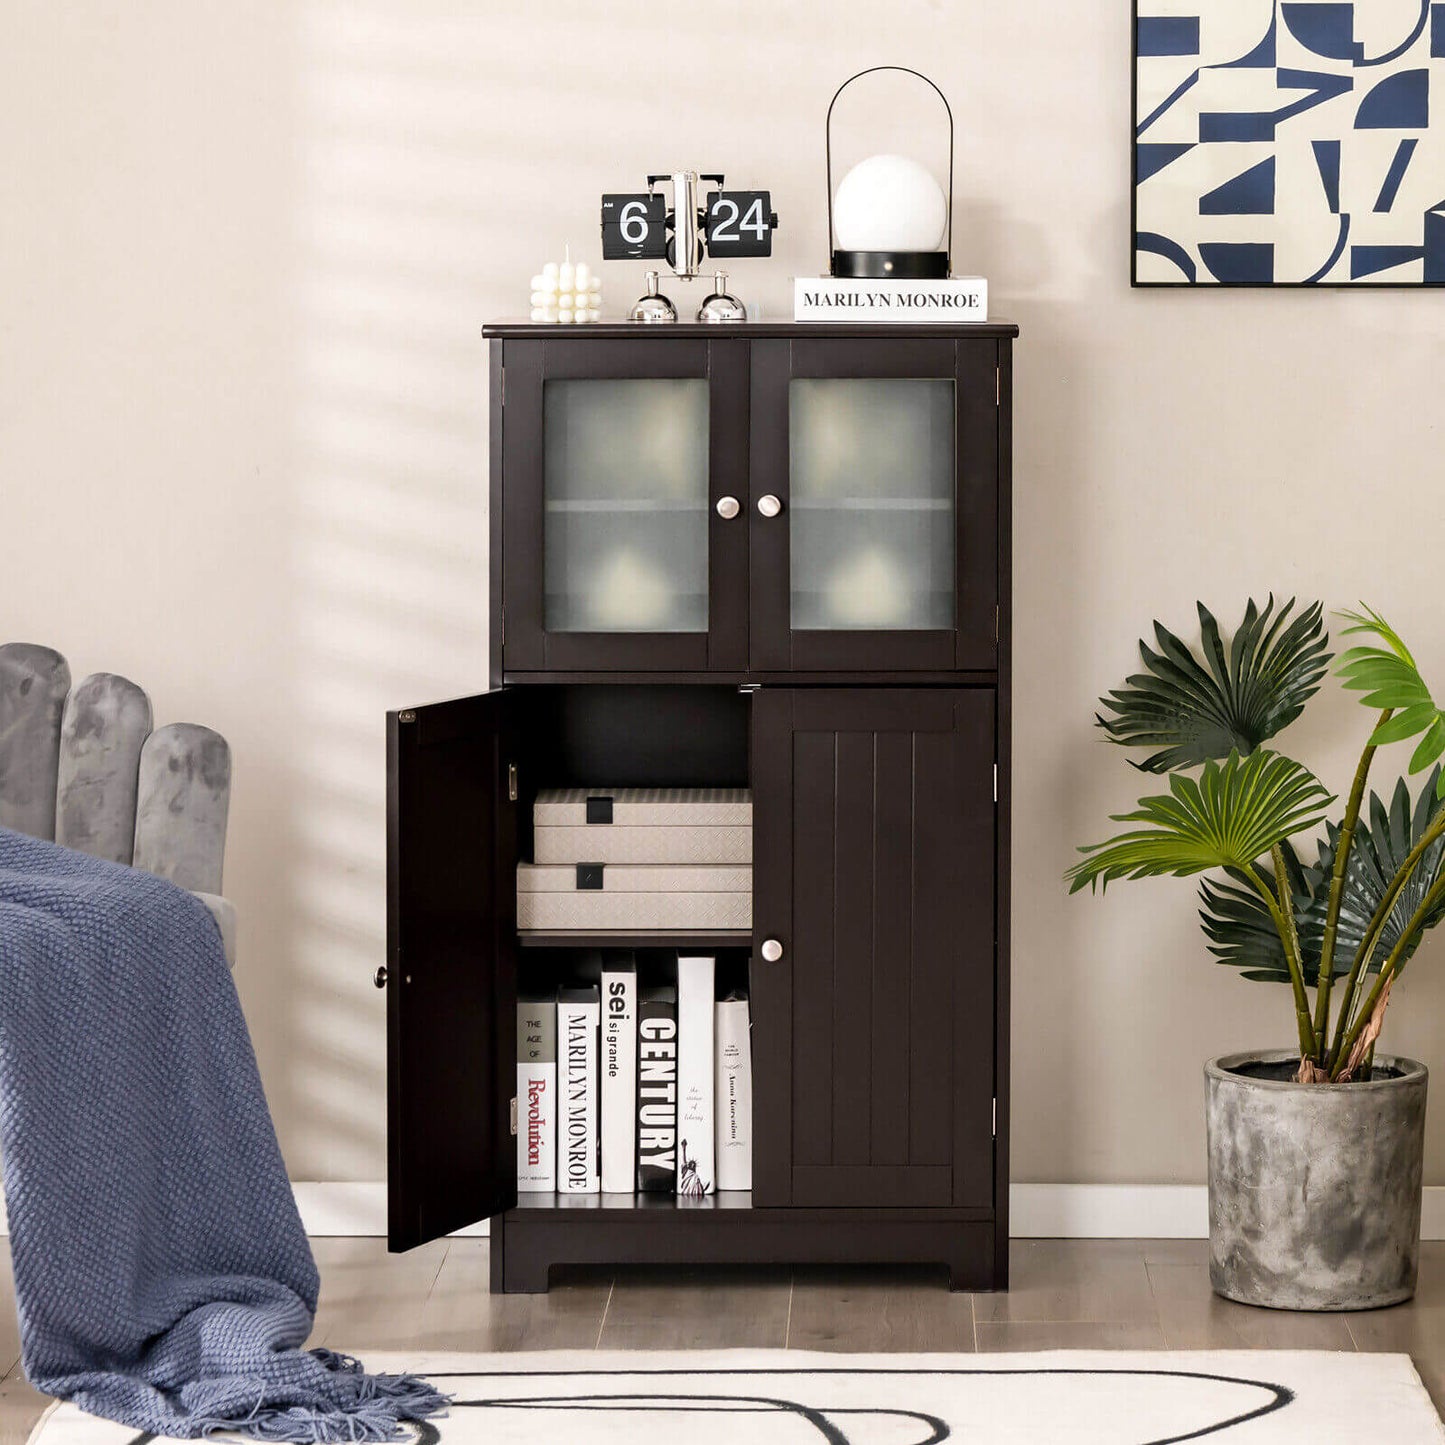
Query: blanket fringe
(379, 1404)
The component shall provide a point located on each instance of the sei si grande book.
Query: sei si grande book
(696, 1010)
(835, 298)
(619, 1073)
(734, 1102)
(577, 1064)
(657, 1090)
(536, 1094)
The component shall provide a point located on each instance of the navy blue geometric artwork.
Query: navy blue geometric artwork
(1325, 29)
(1289, 143)
(1168, 35)
(1327, 157)
(1386, 199)
(1399, 102)
(1249, 194)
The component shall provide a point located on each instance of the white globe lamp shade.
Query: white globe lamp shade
(889, 203)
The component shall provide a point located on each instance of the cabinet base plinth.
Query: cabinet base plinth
(528, 1242)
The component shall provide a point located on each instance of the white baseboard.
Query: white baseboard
(1038, 1211)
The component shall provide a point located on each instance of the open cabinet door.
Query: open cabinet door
(451, 969)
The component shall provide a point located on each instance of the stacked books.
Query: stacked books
(623, 1089)
(638, 859)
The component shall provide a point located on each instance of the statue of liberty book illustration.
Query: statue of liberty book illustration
(1289, 142)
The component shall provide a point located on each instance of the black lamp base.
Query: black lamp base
(892, 265)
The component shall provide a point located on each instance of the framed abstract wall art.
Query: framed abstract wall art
(1289, 143)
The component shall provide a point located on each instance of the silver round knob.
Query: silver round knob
(769, 505)
(379, 977)
(728, 508)
(771, 950)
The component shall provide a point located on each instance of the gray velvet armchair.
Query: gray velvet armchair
(84, 766)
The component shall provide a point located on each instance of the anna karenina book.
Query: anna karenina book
(536, 1094)
(577, 1055)
(734, 1094)
(657, 1090)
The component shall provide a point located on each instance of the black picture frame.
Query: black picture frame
(1137, 285)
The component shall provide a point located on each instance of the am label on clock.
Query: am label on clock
(740, 223)
(634, 227)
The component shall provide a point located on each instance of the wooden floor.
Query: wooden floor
(1067, 1294)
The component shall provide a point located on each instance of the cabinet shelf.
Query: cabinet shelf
(632, 1204)
(646, 505)
(635, 938)
(871, 504)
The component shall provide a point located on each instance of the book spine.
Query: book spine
(619, 1080)
(696, 1009)
(734, 1095)
(657, 1095)
(577, 1139)
(536, 1096)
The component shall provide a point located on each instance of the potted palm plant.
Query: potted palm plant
(1315, 1151)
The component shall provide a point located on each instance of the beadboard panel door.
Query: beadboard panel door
(450, 975)
(874, 869)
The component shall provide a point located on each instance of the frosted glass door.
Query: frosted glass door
(871, 480)
(625, 520)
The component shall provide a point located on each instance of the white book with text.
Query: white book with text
(536, 1095)
(696, 995)
(734, 1102)
(619, 1075)
(577, 1066)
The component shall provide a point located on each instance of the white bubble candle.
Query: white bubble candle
(566, 294)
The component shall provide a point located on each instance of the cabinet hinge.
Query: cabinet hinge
(514, 1116)
(995, 1117)
(997, 615)
(997, 385)
(502, 623)
(511, 782)
(995, 782)
(504, 386)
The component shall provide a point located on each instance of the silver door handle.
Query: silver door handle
(769, 505)
(728, 508)
(771, 950)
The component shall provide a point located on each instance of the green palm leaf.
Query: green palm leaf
(1194, 708)
(1233, 812)
(1241, 932)
(1390, 680)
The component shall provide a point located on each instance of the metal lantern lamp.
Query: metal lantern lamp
(889, 219)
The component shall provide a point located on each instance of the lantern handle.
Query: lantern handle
(828, 148)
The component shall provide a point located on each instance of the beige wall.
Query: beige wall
(245, 250)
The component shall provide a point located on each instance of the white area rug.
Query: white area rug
(775, 1397)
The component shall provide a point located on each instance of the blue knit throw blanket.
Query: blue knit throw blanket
(162, 1275)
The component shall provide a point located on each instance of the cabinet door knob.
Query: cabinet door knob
(379, 977)
(771, 950)
(728, 508)
(769, 505)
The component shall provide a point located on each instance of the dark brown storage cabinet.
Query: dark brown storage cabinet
(769, 556)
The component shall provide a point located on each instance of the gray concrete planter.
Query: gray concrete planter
(1314, 1189)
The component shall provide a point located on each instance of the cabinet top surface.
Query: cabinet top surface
(636, 331)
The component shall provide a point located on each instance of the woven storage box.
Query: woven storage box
(712, 826)
(633, 897)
